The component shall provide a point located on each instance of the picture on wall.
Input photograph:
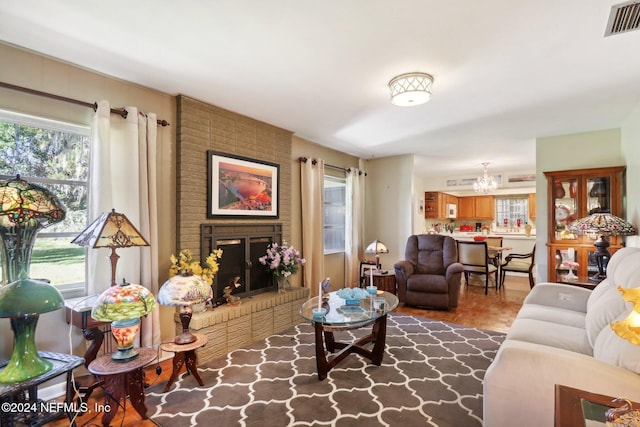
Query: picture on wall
(242, 187)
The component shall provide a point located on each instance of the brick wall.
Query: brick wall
(203, 127)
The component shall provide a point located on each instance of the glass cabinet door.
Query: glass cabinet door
(565, 197)
(599, 195)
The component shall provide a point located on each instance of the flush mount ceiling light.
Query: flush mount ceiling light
(485, 184)
(410, 89)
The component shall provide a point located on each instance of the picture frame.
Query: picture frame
(241, 187)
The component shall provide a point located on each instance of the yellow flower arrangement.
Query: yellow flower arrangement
(185, 265)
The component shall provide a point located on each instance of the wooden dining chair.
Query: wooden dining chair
(519, 263)
(495, 257)
(474, 257)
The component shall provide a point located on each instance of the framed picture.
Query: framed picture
(242, 187)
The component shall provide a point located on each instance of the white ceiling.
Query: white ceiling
(505, 71)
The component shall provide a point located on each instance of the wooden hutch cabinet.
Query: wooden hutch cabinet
(575, 194)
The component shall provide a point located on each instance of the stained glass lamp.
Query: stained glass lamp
(123, 305)
(25, 208)
(111, 230)
(602, 224)
(377, 247)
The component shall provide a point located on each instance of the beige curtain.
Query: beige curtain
(354, 239)
(312, 188)
(123, 177)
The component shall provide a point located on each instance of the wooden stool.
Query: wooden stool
(185, 354)
(122, 379)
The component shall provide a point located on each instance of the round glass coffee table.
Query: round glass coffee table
(341, 316)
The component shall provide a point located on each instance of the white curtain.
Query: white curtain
(312, 188)
(123, 177)
(354, 239)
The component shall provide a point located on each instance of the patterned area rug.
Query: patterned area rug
(431, 375)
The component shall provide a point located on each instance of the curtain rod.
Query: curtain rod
(122, 112)
(338, 168)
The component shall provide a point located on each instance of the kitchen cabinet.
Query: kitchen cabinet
(476, 207)
(532, 205)
(575, 194)
(435, 204)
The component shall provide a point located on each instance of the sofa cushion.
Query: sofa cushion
(552, 314)
(550, 334)
(617, 351)
(431, 283)
(603, 309)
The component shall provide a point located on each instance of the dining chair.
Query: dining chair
(495, 256)
(519, 263)
(474, 257)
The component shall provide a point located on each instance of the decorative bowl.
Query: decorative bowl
(352, 296)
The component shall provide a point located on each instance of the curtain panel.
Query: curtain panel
(122, 176)
(312, 189)
(354, 230)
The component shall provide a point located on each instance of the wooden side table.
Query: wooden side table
(185, 354)
(122, 379)
(384, 280)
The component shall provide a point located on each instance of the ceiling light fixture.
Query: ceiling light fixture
(410, 89)
(485, 184)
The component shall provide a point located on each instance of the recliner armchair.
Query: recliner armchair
(430, 274)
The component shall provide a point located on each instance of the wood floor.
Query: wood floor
(494, 311)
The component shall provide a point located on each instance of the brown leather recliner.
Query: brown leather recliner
(430, 274)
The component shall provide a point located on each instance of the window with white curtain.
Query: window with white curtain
(54, 155)
(335, 190)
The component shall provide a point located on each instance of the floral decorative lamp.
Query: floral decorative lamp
(603, 224)
(189, 284)
(377, 247)
(25, 208)
(111, 230)
(123, 305)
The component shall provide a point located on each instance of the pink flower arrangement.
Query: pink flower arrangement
(282, 260)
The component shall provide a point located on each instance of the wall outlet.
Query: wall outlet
(564, 297)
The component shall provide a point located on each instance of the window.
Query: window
(335, 190)
(511, 209)
(54, 155)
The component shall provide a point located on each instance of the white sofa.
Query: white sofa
(562, 335)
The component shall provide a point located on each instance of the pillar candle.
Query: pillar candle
(371, 277)
(320, 295)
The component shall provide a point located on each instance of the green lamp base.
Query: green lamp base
(25, 361)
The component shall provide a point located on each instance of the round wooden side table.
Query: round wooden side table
(122, 379)
(185, 354)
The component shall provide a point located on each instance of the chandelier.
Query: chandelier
(485, 184)
(410, 89)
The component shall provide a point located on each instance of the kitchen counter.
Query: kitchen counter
(462, 235)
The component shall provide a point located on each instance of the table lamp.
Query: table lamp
(123, 305)
(602, 224)
(111, 230)
(184, 291)
(25, 208)
(377, 247)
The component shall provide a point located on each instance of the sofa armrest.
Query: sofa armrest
(452, 269)
(403, 270)
(520, 383)
(559, 295)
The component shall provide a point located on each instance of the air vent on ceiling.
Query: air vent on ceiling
(624, 17)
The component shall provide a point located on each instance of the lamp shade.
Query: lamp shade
(629, 328)
(603, 224)
(28, 297)
(184, 290)
(376, 247)
(123, 302)
(110, 230)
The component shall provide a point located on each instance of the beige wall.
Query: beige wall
(631, 151)
(391, 205)
(575, 151)
(26, 69)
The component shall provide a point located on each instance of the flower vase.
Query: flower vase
(283, 284)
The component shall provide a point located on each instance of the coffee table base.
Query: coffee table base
(324, 336)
